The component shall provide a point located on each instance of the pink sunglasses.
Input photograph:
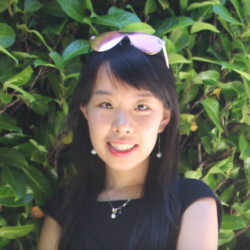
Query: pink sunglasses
(148, 44)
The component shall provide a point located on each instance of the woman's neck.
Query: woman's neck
(122, 185)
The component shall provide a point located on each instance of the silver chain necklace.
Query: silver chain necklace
(114, 210)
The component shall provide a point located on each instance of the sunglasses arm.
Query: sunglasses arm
(165, 54)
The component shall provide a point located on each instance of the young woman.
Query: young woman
(127, 194)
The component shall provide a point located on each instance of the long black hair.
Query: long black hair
(158, 221)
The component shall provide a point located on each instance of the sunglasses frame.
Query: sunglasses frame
(95, 41)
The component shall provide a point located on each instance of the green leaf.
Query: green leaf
(210, 77)
(194, 174)
(22, 55)
(244, 147)
(139, 27)
(232, 222)
(199, 5)
(170, 24)
(39, 184)
(13, 139)
(42, 39)
(164, 4)
(39, 147)
(76, 48)
(10, 201)
(198, 26)
(176, 58)
(206, 144)
(32, 6)
(3, 241)
(7, 125)
(237, 7)
(8, 54)
(245, 34)
(56, 27)
(11, 157)
(5, 97)
(40, 62)
(31, 97)
(125, 18)
(225, 236)
(244, 74)
(212, 108)
(74, 9)
(21, 78)
(183, 5)
(26, 149)
(6, 191)
(60, 121)
(7, 36)
(227, 194)
(40, 105)
(55, 81)
(206, 59)
(14, 177)
(54, 9)
(150, 7)
(107, 20)
(191, 94)
(3, 6)
(15, 232)
(225, 14)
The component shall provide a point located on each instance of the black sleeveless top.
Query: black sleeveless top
(101, 232)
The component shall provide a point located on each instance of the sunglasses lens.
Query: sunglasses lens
(147, 43)
(105, 41)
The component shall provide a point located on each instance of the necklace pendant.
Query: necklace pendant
(113, 216)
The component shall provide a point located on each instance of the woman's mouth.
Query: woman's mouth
(121, 150)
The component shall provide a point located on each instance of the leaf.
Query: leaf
(39, 184)
(237, 7)
(225, 14)
(32, 6)
(194, 174)
(11, 157)
(10, 201)
(76, 48)
(74, 9)
(245, 34)
(8, 54)
(14, 177)
(198, 26)
(172, 23)
(40, 62)
(21, 78)
(212, 108)
(227, 194)
(183, 5)
(22, 55)
(225, 236)
(5, 97)
(6, 191)
(7, 125)
(60, 121)
(232, 222)
(42, 39)
(244, 74)
(206, 59)
(3, 241)
(108, 20)
(31, 97)
(139, 27)
(125, 18)
(39, 147)
(176, 58)
(150, 7)
(54, 9)
(210, 77)
(15, 232)
(7, 35)
(199, 5)
(40, 105)
(244, 147)
(56, 27)
(164, 4)
(13, 139)
(55, 81)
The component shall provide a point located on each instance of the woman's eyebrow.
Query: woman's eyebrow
(104, 92)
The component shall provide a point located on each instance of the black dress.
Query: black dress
(101, 232)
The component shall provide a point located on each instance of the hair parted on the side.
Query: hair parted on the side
(158, 221)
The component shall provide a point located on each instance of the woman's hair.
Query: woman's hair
(157, 224)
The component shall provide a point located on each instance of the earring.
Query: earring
(93, 152)
(159, 154)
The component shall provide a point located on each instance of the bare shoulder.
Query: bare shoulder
(49, 235)
(199, 226)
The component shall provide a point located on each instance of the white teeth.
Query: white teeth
(121, 147)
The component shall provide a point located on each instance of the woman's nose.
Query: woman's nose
(122, 123)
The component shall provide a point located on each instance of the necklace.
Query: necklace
(114, 210)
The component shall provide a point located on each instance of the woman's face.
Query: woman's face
(123, 122)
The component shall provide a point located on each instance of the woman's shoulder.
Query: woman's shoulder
(191, 190)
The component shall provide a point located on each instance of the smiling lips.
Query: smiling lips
(121, 150)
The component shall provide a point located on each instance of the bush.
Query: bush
(43, 46)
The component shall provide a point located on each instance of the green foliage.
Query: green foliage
(43, 45)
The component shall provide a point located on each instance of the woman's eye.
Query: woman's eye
(142, 107)
(106, 105)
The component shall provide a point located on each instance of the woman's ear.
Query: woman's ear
(165, 120)
(84, 111)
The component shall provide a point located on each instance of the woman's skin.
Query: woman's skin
(118, 113)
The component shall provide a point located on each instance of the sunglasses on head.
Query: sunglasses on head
(148, 44)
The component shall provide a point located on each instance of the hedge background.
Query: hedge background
(43, 45)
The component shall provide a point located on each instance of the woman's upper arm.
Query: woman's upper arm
(49, 235)
(199, 226)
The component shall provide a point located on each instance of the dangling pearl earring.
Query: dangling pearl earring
(159, 154)
(93, 152)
